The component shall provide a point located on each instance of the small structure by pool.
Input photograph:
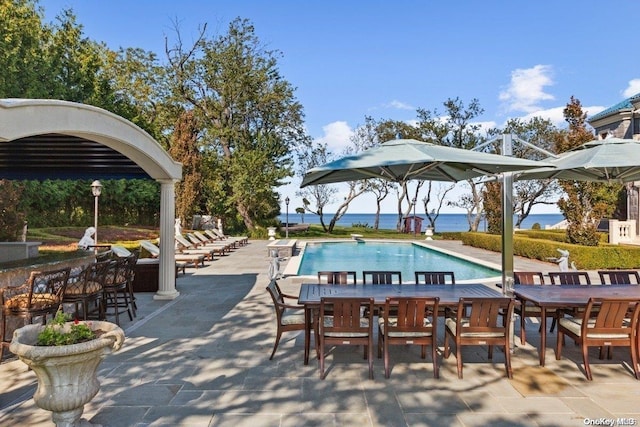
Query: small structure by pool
(285, 247)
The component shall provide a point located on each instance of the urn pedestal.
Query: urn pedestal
(66, 374)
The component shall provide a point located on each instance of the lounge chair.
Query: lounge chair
(181, 258)
(184, 246)
(233, 244)
(243, 240)
(218, 246)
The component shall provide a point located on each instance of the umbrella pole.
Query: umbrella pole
(507, 231)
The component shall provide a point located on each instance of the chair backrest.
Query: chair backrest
(528, 278)
(150, 247)
(345, 315)
(212, 235)
(606, 316)
(202, 237)
(619, 277)
(43, 291)
(481, 315)
(435, 277)
(184, 242)
(194, 240)
(410, 314)
(337, 277)
(381, 277)
(218, 233)
(276, 297)
(569, 278)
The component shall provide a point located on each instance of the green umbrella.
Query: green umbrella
(609, 160)
(406, 159)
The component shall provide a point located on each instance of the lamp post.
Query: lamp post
(96, 190)
(286, 202)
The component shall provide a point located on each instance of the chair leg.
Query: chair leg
(370, 355)
(507, 358)
(275, 346)
(434, 355)
(523, 334)
(321, 354)
(459, 359)
(559, 343)
(585, 358)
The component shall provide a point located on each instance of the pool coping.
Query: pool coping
(290, 270)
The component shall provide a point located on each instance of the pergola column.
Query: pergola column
(167, 279)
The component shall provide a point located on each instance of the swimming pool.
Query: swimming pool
(396, 256)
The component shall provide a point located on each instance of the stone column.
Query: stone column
(167, 273)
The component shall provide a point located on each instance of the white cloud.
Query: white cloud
(632, 89)
(336, 135)
(399, 105)
(556, 115)
(526, 89)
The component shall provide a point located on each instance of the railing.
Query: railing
(622, 232)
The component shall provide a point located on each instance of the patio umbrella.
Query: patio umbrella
(406, 159)
(612, 160)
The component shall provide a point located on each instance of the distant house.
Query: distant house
(622, 121)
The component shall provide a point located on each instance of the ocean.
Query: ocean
(445, 222)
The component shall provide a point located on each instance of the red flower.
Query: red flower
(76, 321)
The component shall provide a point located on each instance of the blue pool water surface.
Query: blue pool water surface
(394, 256)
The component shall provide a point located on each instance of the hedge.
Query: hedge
(604, 256)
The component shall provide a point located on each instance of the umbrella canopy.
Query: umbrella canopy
(404, 159)
(612, 160)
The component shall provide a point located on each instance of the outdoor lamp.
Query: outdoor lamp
(286, 202)
(96, 190)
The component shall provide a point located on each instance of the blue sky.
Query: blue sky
(351, 59)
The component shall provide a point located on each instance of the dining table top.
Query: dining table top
(311, 293)
(573, 295)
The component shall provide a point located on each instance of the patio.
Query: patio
(202, 359)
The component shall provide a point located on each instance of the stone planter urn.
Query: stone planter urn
(428, 233)
(271, 232)
(66, 374)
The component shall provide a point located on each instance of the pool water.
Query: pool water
(392, 256)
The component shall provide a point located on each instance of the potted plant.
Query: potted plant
(65, 356)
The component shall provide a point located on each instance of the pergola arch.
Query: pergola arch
(88, 143)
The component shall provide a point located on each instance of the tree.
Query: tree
(316, 197)
(454, 128)
(184, 149)
(250, 117)
(536, 132)
(586, 203)
(439, 198)
(11, 220)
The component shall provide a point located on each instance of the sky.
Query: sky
(384, 59)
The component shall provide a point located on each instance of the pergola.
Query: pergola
(50, 139)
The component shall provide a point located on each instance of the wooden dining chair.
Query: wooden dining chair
(289, 316)
(381, 277)
(619, 277)
(480, 321)
(604, 323)
(415, 323)
(522, 309)
(346, 326)
(569, 278)
(435, 278)
(337, 277)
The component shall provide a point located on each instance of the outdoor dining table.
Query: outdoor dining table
(311, 294)
(567, 296)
